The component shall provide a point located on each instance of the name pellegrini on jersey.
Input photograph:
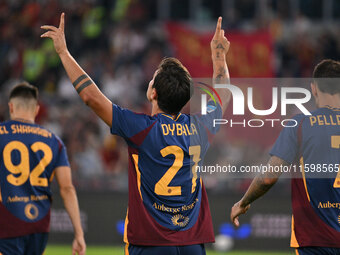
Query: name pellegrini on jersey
(324, 120)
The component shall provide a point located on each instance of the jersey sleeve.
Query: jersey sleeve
(62, 159)
(213, 112)
(286, 146)
(126, 123)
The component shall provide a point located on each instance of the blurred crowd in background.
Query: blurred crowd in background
(120, 44)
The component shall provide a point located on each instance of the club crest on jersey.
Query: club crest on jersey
(31, 211)
(180, 220)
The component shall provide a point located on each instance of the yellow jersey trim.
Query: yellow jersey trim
(333, 109)
(135, 160)
(126, 249)
(170, 117)
(293, 241)
(52, 176)
(304, 177)
(125, 227)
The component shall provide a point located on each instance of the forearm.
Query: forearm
(221, 72)
(71, 205)
(79, 78)
(87, 89)
(257, 189)
(263, 182)
(221, 76)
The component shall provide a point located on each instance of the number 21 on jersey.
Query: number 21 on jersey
(162, 187)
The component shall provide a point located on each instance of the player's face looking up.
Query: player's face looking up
(23, 102)
(326, 86)
(171, 86)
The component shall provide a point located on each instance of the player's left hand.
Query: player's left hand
(57, 35)
(236, 211)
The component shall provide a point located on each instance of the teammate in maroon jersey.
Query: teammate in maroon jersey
(313, 143)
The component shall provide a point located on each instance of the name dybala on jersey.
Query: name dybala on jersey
(168, 203)
(29, 154)
(314, 145)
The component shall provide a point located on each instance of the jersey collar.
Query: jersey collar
(169, 116)
(332, 108)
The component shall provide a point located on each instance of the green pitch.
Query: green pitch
(115, 250)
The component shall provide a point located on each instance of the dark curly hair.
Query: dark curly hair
(173, 85)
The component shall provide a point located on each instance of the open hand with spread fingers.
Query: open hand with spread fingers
(57, 35)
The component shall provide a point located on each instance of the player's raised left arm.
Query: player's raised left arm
(86, 88)
(259, 186)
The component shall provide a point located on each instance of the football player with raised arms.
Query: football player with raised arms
(168, 211)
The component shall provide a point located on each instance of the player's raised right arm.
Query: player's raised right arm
(86, 88)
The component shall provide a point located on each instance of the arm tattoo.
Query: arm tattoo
(84, 85)
(260, 184)
(218, 78)
(259, 188)
(221, 74)
(220, 46)
(79, 79)
(222, 70)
